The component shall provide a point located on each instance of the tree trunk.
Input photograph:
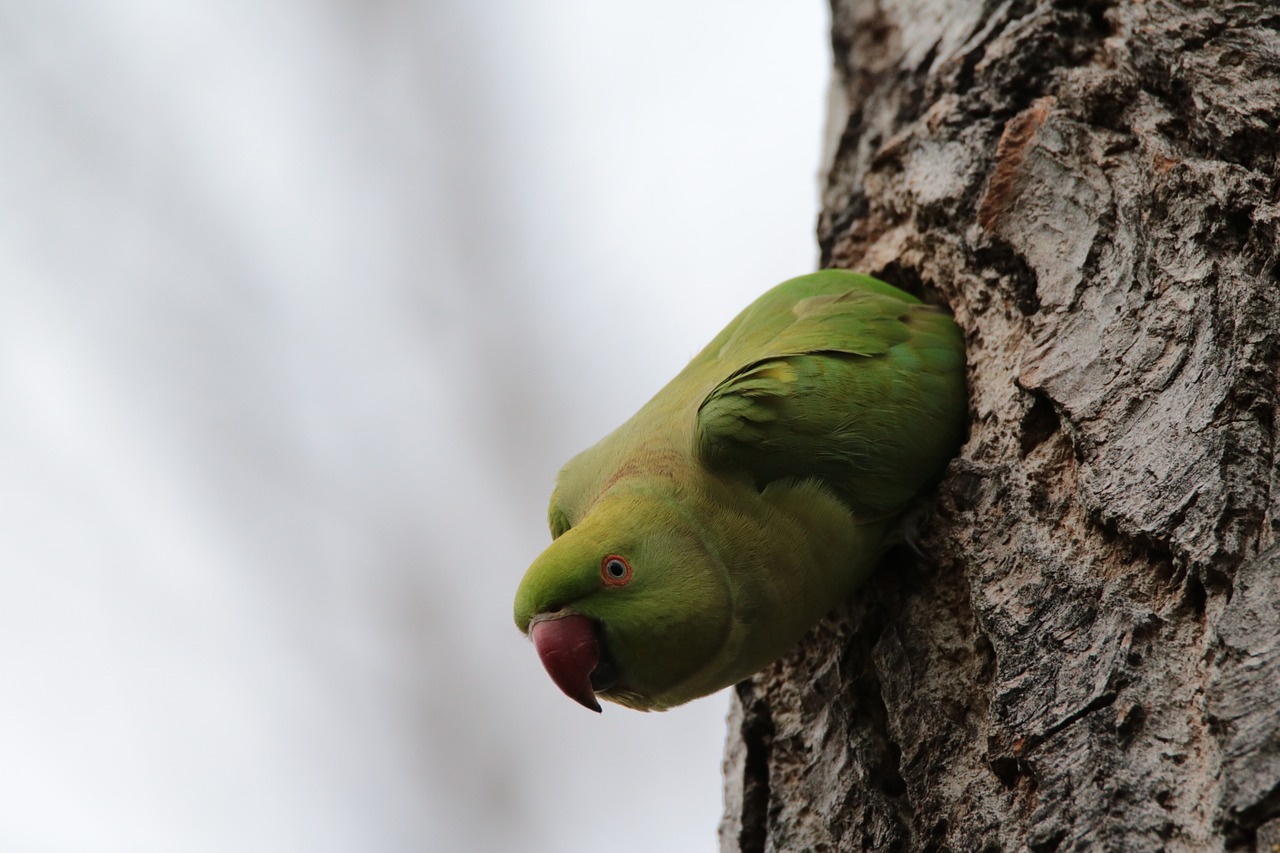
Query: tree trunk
(1087, 655)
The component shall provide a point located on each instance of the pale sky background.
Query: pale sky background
(302, 306)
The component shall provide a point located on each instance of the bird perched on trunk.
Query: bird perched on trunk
(702, 538)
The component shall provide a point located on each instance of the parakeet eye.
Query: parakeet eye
(615, 570)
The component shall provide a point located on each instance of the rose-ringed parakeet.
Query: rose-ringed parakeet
(702, 538)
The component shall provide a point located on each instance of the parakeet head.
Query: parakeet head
(628, 603)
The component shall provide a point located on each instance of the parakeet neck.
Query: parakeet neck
(785, 554)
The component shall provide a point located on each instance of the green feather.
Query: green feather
(756, 490)
(858, 391)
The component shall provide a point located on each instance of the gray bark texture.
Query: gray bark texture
(1087, 654)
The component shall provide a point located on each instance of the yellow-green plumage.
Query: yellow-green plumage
(754, 492)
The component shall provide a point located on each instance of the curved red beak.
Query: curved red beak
(570, 652)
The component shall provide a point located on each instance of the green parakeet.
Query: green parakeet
(701, 539)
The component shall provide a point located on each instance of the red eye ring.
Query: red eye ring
(615, 570)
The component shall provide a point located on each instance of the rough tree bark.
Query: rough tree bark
(1087, 656)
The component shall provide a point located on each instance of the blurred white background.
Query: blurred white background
(302, 306)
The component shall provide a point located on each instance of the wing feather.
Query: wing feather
(862, 389)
